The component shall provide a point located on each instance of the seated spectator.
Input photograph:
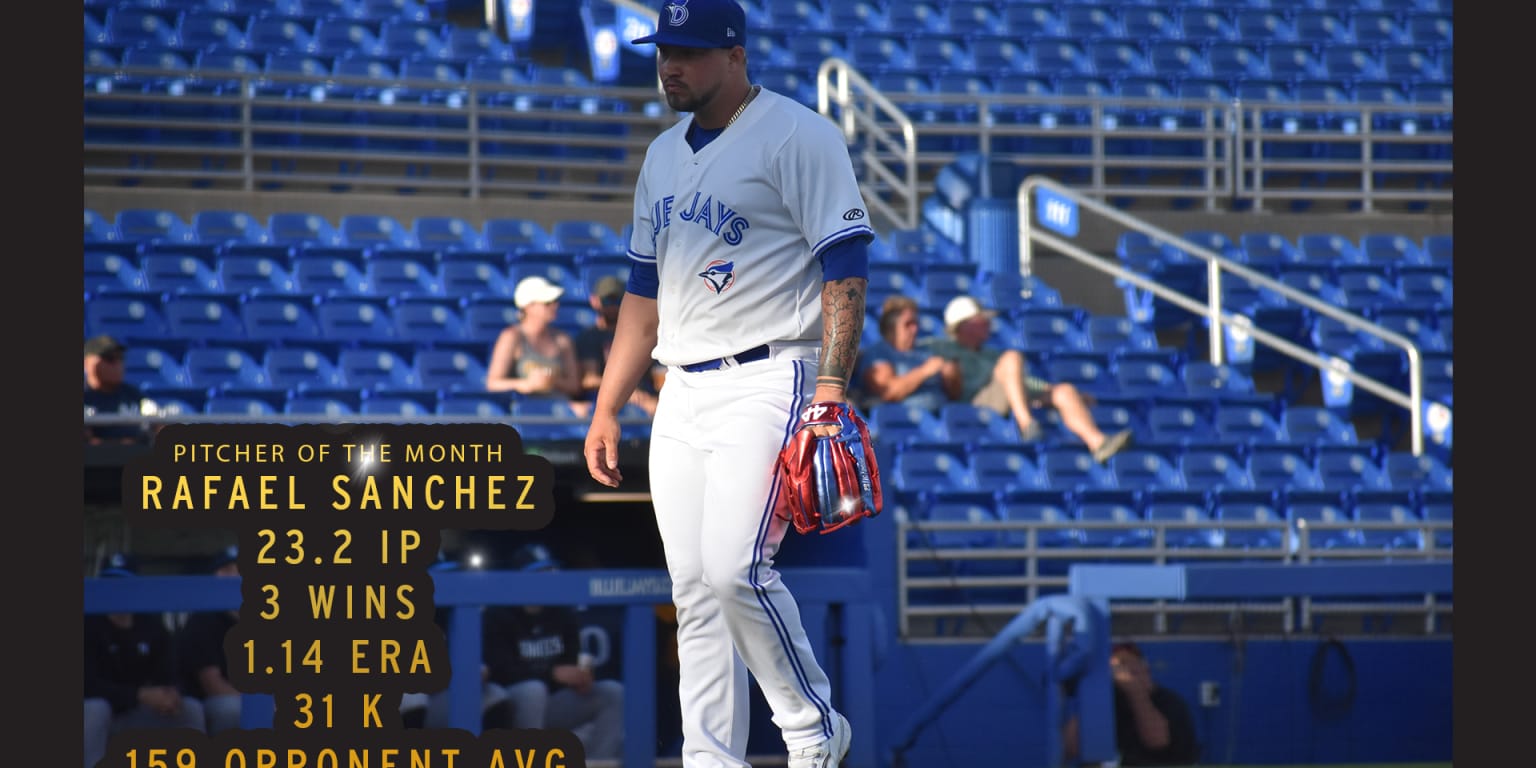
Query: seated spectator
(592, 346)
(130, 673)
(1153, 725)
(200, 647)
(999, 379)
(534, 654)
(108, 394)
(534, 357)
(896, 370)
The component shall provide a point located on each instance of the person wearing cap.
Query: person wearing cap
(534, 653)
(430, 710)
(108, 394)
(1153, 724)
(748, 273)
(200, 646)
(594, 342)
(999, 379)
(534, 357)
(130, 672)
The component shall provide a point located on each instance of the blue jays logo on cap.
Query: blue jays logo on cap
(719, 275)
(699, 24)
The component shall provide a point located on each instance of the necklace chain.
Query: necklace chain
(751, 92)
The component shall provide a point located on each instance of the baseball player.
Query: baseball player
(748, 273)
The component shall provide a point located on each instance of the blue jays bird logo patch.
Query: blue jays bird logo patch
(719, 275)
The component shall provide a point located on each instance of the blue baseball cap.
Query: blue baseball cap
(699, 24)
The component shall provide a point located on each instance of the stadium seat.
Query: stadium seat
(444, 233)
(485, 317)
(354, 320)
(975, 425)
(1248, 519)
(220, 227)
(301, 229)
(920, 469)
(399, 404)
(204, 317)
(1090, 372)
(253, 275)
(366, 368)
(280, 318)
(1385, 517)
(1426, 291)
(480, 405)
(1275, 467)
(1110, 515)
(229, 404)
(145, 225)
(1350, 468)
(1053, 331)
(1316, 424)
(1146, 378)
(1321, 517)
(402, 276)
(473, 279)
(1421, 473)
(450, 369)
(1142, 469)
(1204, 26)
(301, 367)
(1005, 467)
(224, 367)
(148, 365)
(1185, 517)
(1211, 469)
(1115, 333)
(1048, 510)
(328, 276)
(429, 322)
(586, 236)
(1072, 468)
(169, 273)
(547, 418)
(342, 36)
(1178, 423)
(516, 236)
(1203, 378)
(138, 26)
(126, 314)
(375, 231)
(109, 271)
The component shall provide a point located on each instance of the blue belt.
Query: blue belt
(755, 353)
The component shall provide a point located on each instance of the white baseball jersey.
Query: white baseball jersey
(735, 229)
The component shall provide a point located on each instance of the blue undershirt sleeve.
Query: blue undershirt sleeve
(644, 280)
(846, 258)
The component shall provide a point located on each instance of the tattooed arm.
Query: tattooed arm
(842, 313)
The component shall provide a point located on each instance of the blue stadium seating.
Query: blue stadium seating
(1050, 506)
(1421, 473)
(1278, 466)
(253, 275)
(376, 368)
(300, 229)
(280, 318)
(1208, 468)
(355, 319)
(1248, 519)
(450, 369)
(1186, 516)
(919, 469)
(109, 271)
(429, 322)
(224, 366)
(1071, 467)
(1315, 424)
(1315, 514)
(1139, 468)
(473, 404)
(148, 365)
(547, 418)
(397, 404)
(328, 276)
(296, 367)
(1350, 468)
(204, 317)
(1119, 507)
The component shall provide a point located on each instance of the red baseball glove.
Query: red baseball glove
(827, 482)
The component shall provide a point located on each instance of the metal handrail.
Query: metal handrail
(1216, 316)
(853, 120)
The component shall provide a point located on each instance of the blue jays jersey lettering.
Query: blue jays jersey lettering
(735, 230)
(713, 215)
